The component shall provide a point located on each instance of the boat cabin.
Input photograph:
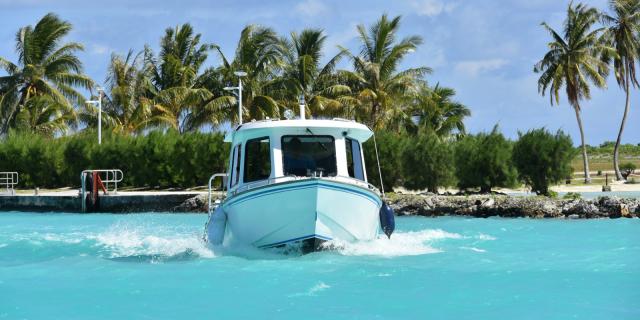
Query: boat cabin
(272, 151)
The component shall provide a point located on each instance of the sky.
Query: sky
(484, 49)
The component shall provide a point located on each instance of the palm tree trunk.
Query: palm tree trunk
(585, 159)
(374, 114)
(616, 163)
(4, 130)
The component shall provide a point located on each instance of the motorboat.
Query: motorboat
(297, 182)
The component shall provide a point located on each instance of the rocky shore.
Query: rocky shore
(483, 206)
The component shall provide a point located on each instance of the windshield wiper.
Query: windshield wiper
(318, 142)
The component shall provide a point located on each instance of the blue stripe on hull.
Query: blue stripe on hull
(300, 186)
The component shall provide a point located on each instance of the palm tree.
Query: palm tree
(180, 60)
(573, 61)
(622, 33)
(127, 85)
(376, 81)
(436, 110)
(303, 75)
(259, 54)
(43, 115)
(186, 109)
(45, 67)
(179, 99)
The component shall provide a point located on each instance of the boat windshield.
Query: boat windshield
(307, 156)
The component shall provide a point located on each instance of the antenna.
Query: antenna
(375, 146)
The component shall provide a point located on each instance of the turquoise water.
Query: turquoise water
(153, 266)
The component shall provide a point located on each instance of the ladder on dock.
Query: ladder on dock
(9, 180)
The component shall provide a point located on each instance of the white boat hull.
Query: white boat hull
(318, 209)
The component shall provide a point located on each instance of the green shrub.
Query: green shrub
(389, 147)
(427, 162)
(543, 158)
(484, 161)
(158, 159)
(627, 169)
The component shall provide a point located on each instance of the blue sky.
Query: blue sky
(484, 49)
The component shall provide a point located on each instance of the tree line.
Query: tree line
(172, 88)
(475, 163)
(171, 159)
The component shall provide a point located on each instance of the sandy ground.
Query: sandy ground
(615, 187)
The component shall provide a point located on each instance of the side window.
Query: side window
(257, 162)
(354, 159)
(235, 169)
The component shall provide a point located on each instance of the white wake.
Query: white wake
(401, 244)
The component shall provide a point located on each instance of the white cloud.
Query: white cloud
(432, 8)
(473, 68)
(311, 8)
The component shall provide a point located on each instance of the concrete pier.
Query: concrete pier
(121, 202)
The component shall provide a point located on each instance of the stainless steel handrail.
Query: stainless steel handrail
(222, 175)
(9, 179)
(112, 176)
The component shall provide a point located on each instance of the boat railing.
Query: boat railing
(275, 180)
(211, 179)
(9, 180)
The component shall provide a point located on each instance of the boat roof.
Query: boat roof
(349, 128)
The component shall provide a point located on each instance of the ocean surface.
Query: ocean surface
(155, 266)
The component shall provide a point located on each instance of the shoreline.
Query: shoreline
(514, 204)
(508, 206)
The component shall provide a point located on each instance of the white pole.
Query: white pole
(240, 100)
(301, 103)
(99, 116)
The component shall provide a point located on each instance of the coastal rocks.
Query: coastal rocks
(199, 203)
(196, 204)
(510, 206)
(583, 208)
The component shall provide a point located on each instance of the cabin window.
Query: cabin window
(354, 159)
(257, 159)
(307, 156)
(235, 165)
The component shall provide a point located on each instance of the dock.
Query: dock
(120, 202)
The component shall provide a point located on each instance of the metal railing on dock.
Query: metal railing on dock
(109, 177)
(9, 180)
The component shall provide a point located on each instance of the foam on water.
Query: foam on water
(474, 249)
(313, 291)
(124, 240)
(485, 237)
(410, 243)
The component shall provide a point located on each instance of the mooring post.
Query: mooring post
(606, 187)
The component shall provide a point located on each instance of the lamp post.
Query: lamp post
(301, 103)
(99, 104)
(239, 74)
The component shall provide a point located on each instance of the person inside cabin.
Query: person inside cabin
(297, 161)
